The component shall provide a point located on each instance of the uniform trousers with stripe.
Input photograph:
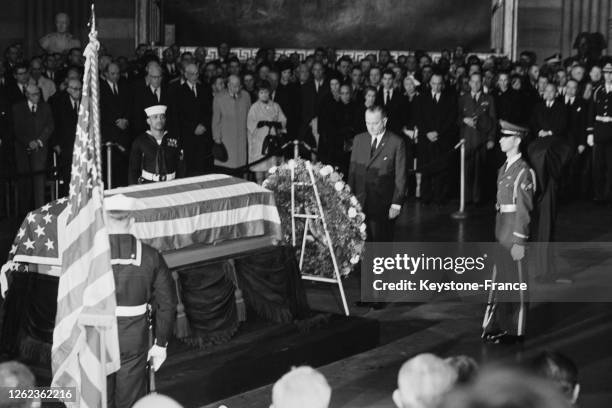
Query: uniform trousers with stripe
(509, 310)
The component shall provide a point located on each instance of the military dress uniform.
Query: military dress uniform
(141, 278)
(515, 191)
(600, 126)
(151, 161)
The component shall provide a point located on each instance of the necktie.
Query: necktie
(75, 107)
(23, 89)
(435, 97)
(156, 93)
(193, 89)
(33, 109)
(373, 147)
(386, 96)
(114, 89)
(475, 97)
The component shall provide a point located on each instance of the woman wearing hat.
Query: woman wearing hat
(265, 122)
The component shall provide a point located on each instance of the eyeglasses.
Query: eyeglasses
(74, 88)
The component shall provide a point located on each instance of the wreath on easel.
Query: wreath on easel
(342, 211)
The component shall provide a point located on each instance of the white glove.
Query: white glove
(158, 354)
(590, 140)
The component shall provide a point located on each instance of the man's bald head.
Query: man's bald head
(422, 381)
(113, 72)
(156, 401)
(74, 89)
(192, 73)
(302, 387)
(154, 74)
(234, 84)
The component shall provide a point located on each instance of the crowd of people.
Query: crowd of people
(549, 380)
(320, 100)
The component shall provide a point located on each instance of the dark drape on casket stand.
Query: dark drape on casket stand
(269, 279)
(271, 285)
(29, 317)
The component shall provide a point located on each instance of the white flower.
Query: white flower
(352, 212)
(326, 170)
(265, 183)
(272, 170)
(346, 271)
(362, 228)
(355, 259)
(339, 186)
(354, 200)
(291, 163)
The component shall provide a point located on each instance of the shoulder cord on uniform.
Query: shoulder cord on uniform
(518, 179)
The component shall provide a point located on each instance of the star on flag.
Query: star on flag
(29, 244)
(48, 218)
(49, 244)
(40, 231)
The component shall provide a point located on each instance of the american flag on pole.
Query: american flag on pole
(85, 340)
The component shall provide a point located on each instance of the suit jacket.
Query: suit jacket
(29, 126)
(113, 107)
(576, 122)
(486, 120)
(13, 93)
(143, 98)
(65, 119)
(553, 119)
(380, 180)
(394, 121)
(311, 99)
(439, 117)
(192, 110)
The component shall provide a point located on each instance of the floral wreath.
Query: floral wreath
(343, 216)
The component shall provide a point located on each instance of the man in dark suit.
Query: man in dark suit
(389, 97)
(436, 115)
(114, 113)
(508, 101)
(193, 120)
(65, 109)
(147, 93)
(577, 183)
(312, 94)
(16, 89)
(377, 175)
(33, 126)
(478, 126)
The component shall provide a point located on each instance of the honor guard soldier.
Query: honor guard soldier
(141, 279)
(504, 320)
(600, 137)
(155, 155)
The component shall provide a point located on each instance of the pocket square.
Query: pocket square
(385, 158)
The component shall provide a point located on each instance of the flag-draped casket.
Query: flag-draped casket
(198, 224)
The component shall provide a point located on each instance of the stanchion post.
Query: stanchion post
(55, 176)
(461, 214)
(109, 152)
(296, 149)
